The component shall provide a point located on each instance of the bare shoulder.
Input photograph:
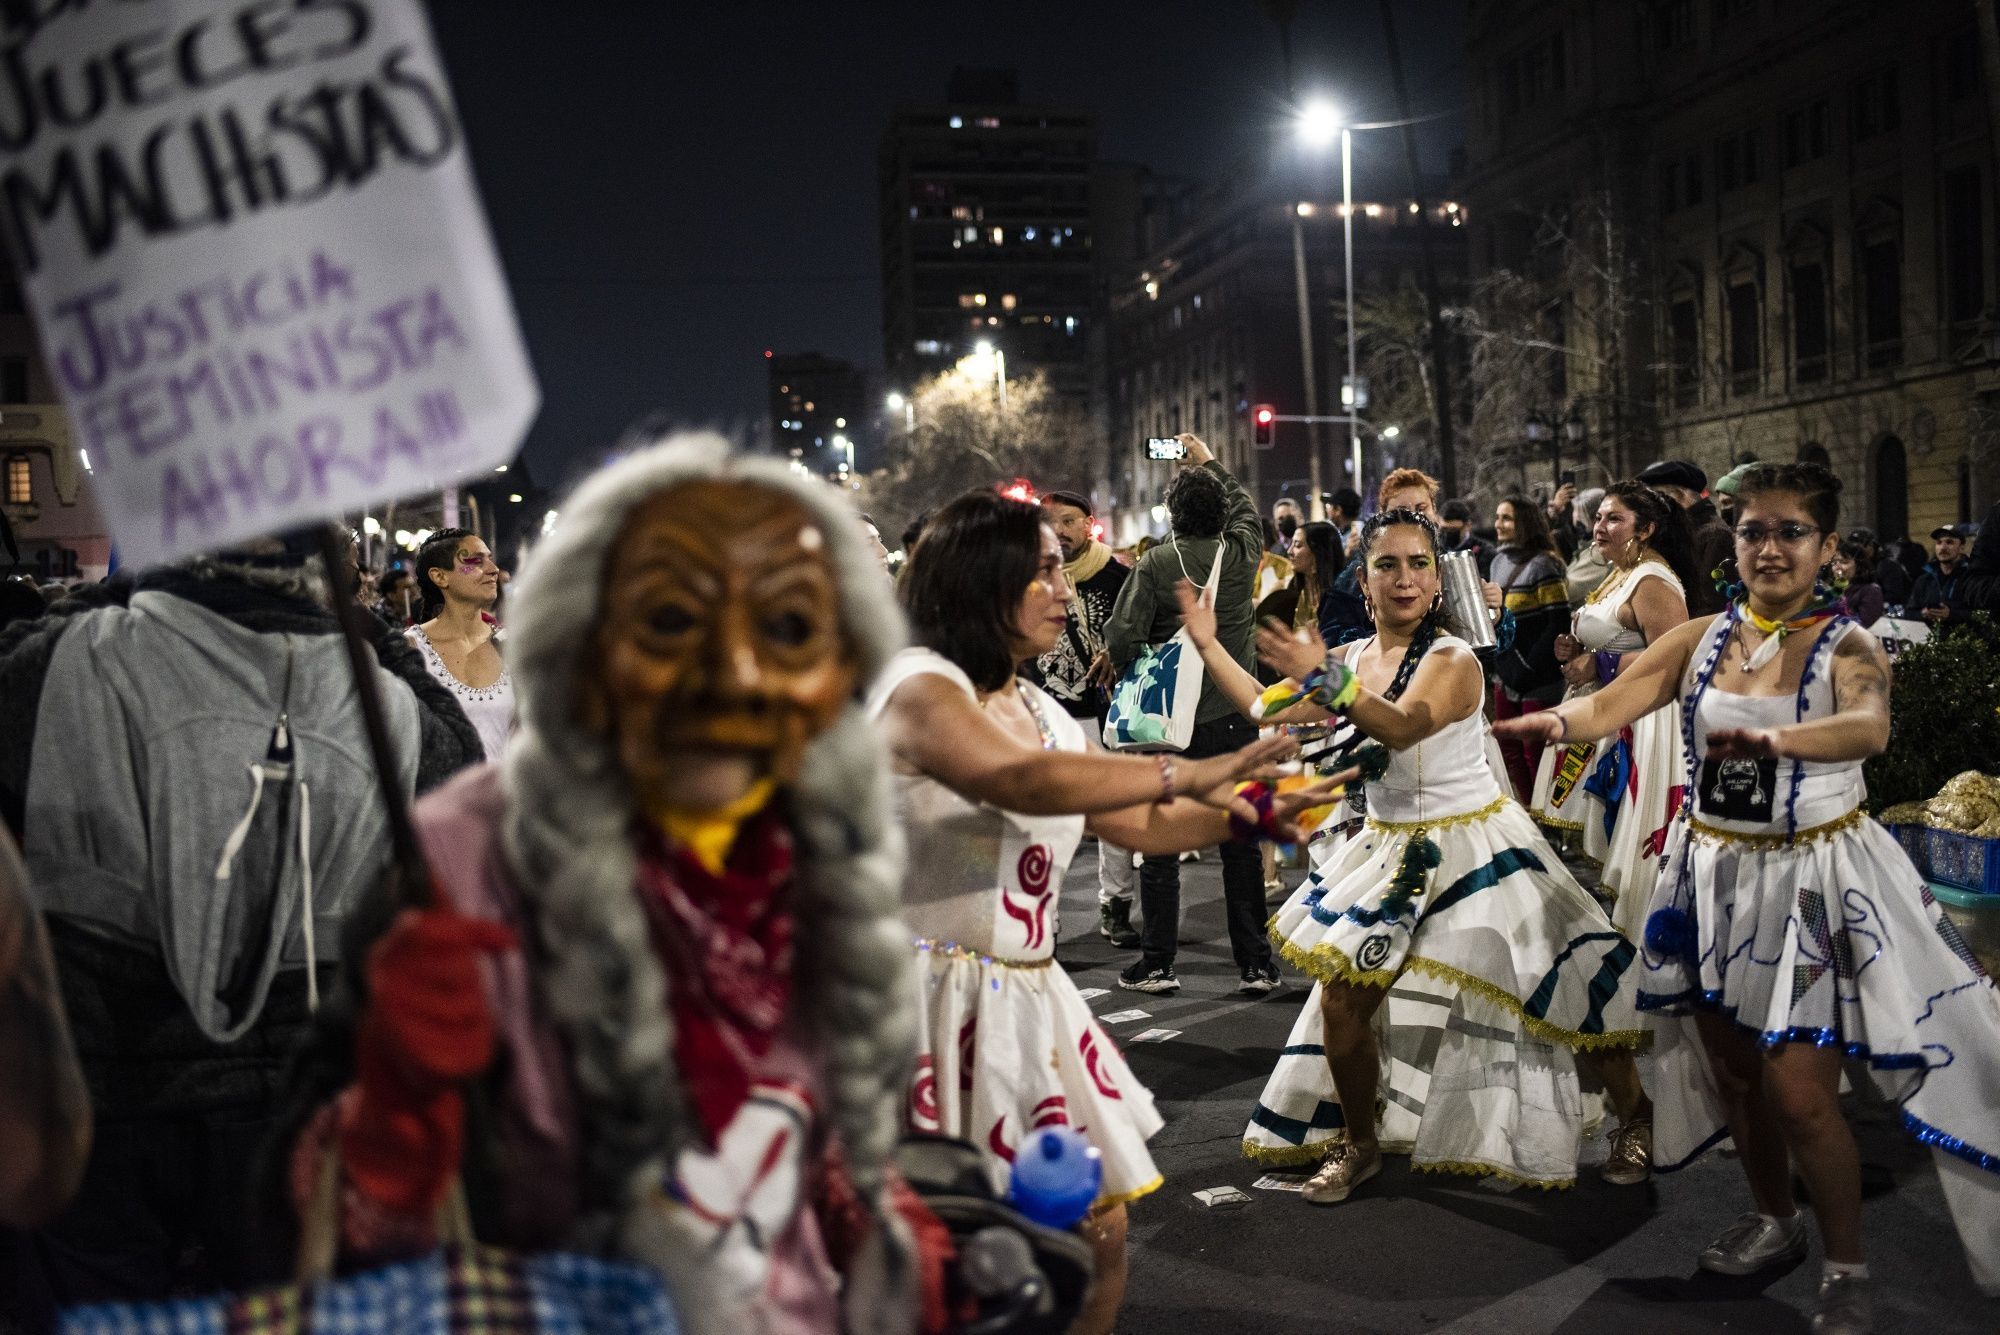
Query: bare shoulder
(1857, 649)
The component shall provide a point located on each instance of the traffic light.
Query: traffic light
(1263, 426)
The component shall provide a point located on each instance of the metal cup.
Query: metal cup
(1465, 613)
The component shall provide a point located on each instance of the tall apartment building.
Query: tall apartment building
(986, 234)
(44, 476)
(1206, 325)
(1800, 193)
(820, 410)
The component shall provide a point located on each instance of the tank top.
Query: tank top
(1444, 775)
(1764, 796)
(1596, 623)
(979, 877)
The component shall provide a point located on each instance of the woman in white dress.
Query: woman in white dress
(1617, 796)
(460, 582)
(1451, 895)
(997, 785)
(1789, 930)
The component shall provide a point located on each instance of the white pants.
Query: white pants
(1115, 873)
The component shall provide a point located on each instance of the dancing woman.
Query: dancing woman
(1619, 796)
(1448, 892)
(997, 786)
(1789, 930)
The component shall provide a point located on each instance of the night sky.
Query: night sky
(675, 191)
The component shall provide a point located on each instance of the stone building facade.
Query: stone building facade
(1801, 199)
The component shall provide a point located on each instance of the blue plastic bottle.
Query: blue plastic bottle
(1057, 1173)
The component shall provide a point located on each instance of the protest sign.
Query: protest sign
(1899, 633)
(250, 237)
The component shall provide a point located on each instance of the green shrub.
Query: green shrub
(1944, 715)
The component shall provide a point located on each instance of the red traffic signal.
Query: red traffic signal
(1263, 426)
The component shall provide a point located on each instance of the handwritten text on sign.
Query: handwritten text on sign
(263, 281)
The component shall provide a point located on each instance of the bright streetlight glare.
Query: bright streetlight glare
(1391, 431)
(896, 402)
(984, 347)
(1319, 123)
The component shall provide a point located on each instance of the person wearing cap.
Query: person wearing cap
(1935, 595)
(1724, 491)
(1686, 485)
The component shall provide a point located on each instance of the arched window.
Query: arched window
(1812, 452)
(1892, 489)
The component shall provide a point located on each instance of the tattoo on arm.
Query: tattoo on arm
(1861, 676)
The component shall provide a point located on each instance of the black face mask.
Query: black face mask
(1287, 527)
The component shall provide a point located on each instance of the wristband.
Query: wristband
(1607, 666)
(1166, 763)
(1259, 795)
(1332, 686)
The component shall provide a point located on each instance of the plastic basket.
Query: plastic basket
(1961, 860)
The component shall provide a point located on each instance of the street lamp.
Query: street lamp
(900, 403)
(1319, 122)
(1555, 431)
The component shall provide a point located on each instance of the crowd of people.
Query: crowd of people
(646, 917)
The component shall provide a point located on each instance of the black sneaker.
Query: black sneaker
(1114, 924)
(1258, 982)
(1139, 976)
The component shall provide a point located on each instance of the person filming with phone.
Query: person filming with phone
(1206, 507)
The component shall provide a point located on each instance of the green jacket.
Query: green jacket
(1147, 614)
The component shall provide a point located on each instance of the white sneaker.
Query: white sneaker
(1845, 1307)
(1751, 1244)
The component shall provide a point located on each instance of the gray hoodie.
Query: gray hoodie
(163, 810)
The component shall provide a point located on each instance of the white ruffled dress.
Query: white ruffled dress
(1630, 846)
(1500, 968)
(1785, 908)
(1005, 1045)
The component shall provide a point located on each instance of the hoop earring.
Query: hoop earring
(1437, 602)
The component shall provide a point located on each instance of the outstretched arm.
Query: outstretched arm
(1449, 685)
(1652, 679)
(1856, 730)
(1230, 677)
(936, 728)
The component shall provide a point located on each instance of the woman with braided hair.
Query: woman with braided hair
(1789, 931)
(1506, 971)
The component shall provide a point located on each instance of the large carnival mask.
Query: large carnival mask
(720, 647)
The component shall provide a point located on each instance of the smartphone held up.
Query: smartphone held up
(1166, 447)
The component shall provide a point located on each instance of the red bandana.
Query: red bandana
(726, 942)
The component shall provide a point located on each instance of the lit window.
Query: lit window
(1027, 234)
(927, 347)
(1153, 289)
(784, 389)
(962, 212)
(958, 122)
(1007, 302)
(840, 421)
(965, 301)
(1069, 324)
(998, 235)
(1055, 238)
(913, 210)
(979, 298)
(1305, 210)
(20, 480)
(971, 234)
(809, 406)
(988, 122)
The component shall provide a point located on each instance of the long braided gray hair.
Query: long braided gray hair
(568, 837)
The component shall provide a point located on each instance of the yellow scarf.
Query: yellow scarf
(1095, 557)
(710, 835)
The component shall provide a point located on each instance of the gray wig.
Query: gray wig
(568, 837)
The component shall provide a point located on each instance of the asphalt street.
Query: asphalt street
(1418, 1252)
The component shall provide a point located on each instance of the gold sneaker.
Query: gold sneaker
(1631, 1159)
(1344, 1170)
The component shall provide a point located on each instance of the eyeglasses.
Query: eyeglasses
(1788, 534)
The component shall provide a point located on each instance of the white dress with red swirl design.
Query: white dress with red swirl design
(1005, 1044)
